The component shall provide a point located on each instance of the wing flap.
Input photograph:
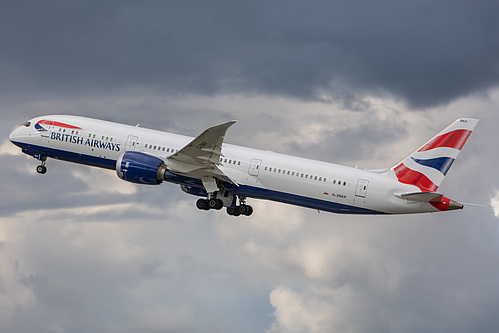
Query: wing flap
(201, 157)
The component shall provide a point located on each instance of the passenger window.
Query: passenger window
(320, 179)
(110, 139)
(279, 171)
(344, 183)
(239, 163)
(225, 161)
(315, 178)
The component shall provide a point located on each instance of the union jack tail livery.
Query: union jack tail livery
(427, 166)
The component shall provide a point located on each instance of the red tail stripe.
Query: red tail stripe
(454, 139)
(411, 177)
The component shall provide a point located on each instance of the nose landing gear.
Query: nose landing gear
(41, 169)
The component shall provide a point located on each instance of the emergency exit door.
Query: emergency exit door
(254, 168)
(361, 189)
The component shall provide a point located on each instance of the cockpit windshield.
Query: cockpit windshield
(27, 124)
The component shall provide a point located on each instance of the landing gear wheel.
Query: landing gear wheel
(41, 169)
(242, 209)
(233, 211)
(249, 210)
(220, 204)
(202, 204)
(213, 203)
(207, 204)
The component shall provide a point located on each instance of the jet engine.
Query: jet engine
(141, 168)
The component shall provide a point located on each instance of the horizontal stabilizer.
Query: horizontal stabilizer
(437, 200)
(422, 196)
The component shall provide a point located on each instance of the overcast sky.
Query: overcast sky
(360, 83)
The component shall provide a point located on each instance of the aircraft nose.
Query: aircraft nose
(12, 135)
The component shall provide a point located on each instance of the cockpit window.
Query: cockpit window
(28, 124)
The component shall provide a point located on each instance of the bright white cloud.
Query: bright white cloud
(295, 312)
(98, 181)
(495, 204)
(7, 148)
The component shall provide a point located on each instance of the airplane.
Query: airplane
(225, 175)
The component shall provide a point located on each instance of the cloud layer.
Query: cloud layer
(81, 250)
(425, 53)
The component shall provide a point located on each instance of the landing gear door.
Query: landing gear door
(254, 168)
(361, 189)
(131, 143)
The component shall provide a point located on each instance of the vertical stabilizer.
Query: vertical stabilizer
(427, 166)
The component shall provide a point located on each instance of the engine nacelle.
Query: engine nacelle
(140, 168)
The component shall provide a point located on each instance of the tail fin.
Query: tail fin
(427, 166)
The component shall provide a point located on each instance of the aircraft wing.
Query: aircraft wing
(201, 157)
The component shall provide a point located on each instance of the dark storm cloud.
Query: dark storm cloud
(424, 52)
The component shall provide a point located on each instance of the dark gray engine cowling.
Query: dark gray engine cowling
(199, 191)
(140, 168)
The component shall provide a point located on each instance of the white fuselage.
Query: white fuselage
(257, 173)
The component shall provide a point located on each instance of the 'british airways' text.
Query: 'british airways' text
(85, 142)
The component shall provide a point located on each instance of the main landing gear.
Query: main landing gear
(207, 204)
(217, 204)
(242, 209)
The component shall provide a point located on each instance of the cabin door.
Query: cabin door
(131, 143)
(254, 168)
(361, 189)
